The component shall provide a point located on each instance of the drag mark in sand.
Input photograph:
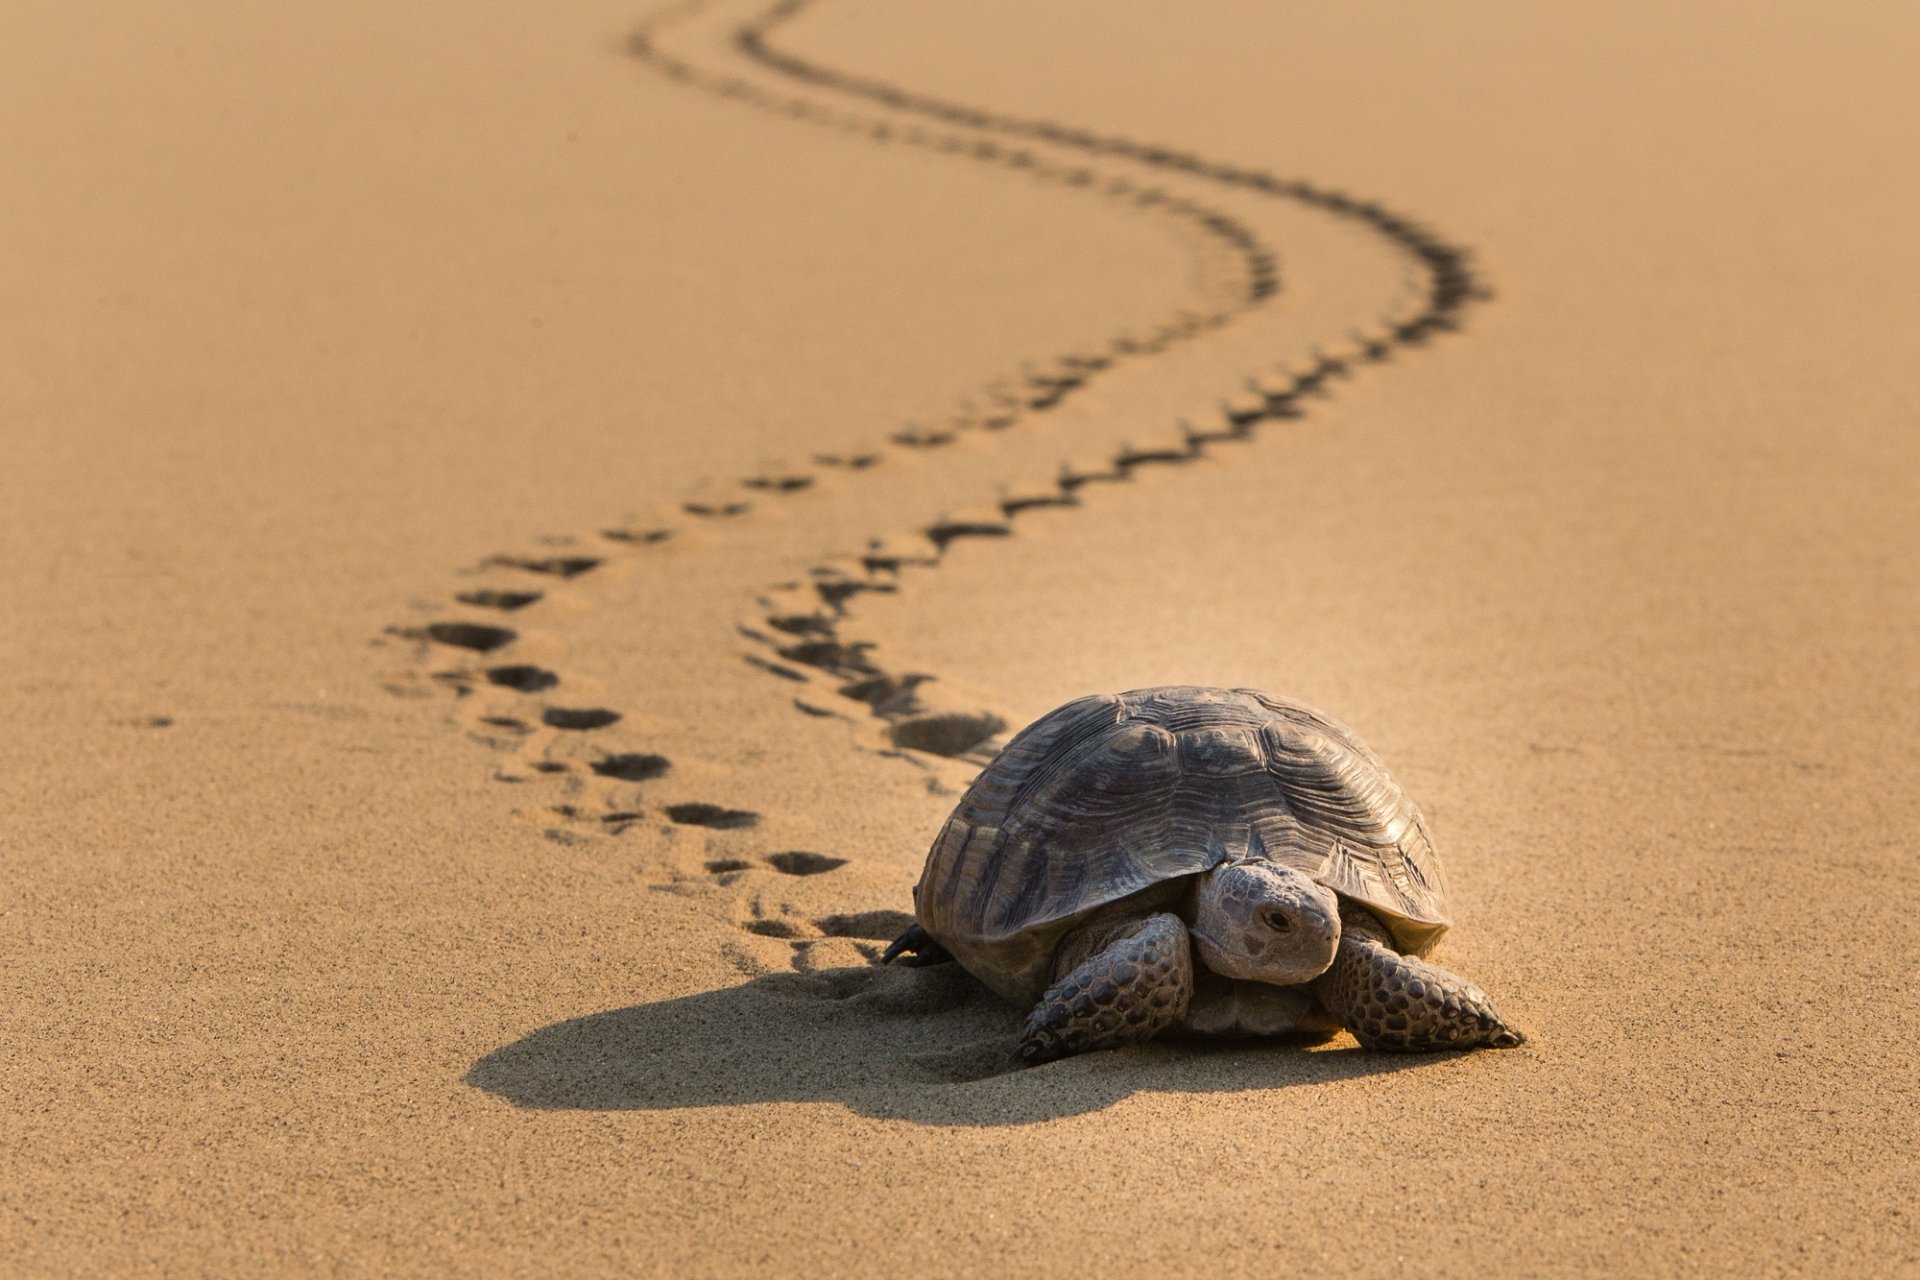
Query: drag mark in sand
(801, 627)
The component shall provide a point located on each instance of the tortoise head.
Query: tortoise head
(1263, 922)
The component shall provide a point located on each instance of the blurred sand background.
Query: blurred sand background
(309, 964)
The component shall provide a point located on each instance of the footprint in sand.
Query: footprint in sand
(778, 483)
(554, 566)
(578, 719)
(790, 863)
(632, 766)
(505, 601)
(700, 814)
(716, 510)
(637, 537)
(478, 637)
(521, 677)
(800, 863)
(851, 462)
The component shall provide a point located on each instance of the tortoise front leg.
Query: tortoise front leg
(1135, 984)
(1393, 1001)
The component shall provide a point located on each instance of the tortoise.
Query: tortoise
(1217, 861)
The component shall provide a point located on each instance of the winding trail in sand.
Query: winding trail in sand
(321, 319)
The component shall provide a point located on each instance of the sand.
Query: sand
(327, 951)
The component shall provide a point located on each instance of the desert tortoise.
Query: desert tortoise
(1218, 860)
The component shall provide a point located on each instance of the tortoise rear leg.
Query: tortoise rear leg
(1393, 1001)
(1135, 984)
(915, 948)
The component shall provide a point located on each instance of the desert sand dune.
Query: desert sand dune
(524, 522)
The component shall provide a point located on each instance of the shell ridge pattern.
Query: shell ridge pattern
(1126, 771)
(1011, 901)
(1039, 753)
(1373, 841)
(1323, 781)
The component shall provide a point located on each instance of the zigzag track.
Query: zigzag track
(513, 689)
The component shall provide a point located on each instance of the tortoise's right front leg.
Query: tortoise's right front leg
(1134, 985)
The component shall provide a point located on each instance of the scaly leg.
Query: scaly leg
(1133, 985)
(1393, 1001)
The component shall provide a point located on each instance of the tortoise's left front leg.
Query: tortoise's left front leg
(1135, 984)
(1393, 1001)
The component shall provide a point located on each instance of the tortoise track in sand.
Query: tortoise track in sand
(801, 629)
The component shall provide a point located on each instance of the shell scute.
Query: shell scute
(1222, 751)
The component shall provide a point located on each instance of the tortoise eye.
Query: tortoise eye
(1278, 921)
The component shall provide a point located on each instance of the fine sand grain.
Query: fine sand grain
(523, 520)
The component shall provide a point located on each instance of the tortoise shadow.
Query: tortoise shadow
(926, 1045)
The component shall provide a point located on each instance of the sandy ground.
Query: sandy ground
(332, 947)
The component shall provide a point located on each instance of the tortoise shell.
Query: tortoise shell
(1129, 796)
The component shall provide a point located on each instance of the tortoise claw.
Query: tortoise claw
(916, 949)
